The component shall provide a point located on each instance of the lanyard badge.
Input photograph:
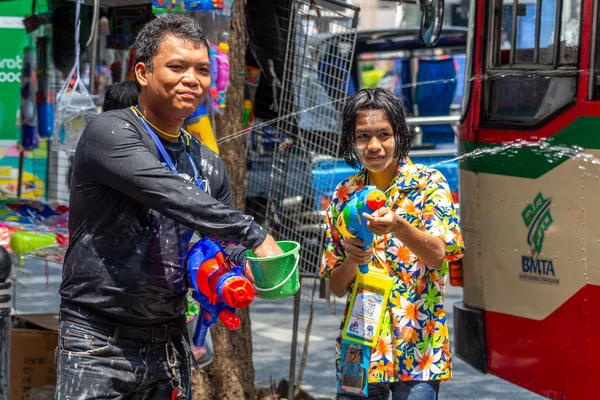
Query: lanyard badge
(367, 310)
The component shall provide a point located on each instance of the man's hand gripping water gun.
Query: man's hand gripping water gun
(351, 224)
(219, 287)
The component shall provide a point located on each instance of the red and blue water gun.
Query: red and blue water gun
(220, 287)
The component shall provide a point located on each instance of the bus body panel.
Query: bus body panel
(531, 271)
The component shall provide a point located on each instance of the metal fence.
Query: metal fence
(292, 159)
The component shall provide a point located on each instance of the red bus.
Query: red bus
(531, 273)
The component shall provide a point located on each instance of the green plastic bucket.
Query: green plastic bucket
(276, 277)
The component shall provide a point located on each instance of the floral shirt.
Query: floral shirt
(413, 342)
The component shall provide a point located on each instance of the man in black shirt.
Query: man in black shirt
(140, 189)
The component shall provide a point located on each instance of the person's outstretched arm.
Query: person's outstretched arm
(114, 155)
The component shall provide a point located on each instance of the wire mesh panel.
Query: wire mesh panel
(294, 160)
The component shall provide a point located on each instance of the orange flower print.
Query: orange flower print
(332, 260)
(383, 348)
(381, 247)
(344, 191)
(428, 213)
(410, 313)
(419, 268)
(380, 367)
(402, 254)
(426, 362)
(405, 276)
(440, 313)
(405, 376)
(409, 207)
(407, 334)
(390, 369)
(420, 285)
(429, 328)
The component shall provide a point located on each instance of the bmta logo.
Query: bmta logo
(538, 219)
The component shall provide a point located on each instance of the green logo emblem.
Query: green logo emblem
(538, 219)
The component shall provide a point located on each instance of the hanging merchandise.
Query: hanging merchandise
(33, 22)
(162, 6)
(74, 104)
(125, 23)
(252, 79)
(223, 72)
(219, 74)
(63, 31)
(45, 96)
(29, 137)
(214, 77)
(199, 125)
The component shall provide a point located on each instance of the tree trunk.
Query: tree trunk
(231, 374)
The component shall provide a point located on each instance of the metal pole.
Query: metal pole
(93, 51)
(5, 285)
(292, 377)
(20, 176)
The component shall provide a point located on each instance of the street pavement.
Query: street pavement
(37, 286)
(272, 338)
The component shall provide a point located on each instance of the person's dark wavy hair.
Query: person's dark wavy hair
(374, 99)
(153, 33)
(121, 95)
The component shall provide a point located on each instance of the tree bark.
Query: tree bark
(231, 374)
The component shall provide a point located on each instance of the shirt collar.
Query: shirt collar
(406, 177)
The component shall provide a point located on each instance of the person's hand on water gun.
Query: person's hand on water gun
(350, 223)
(384, 221)
(355, 252)
(219, 287)
(268, 248)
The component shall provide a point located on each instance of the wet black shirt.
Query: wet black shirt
(131, 219)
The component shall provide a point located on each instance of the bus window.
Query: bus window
(529, 47)
(532, 73)
(595, 66)
(569, 32)
(547, 29)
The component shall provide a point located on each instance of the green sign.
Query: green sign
(538, 219)
(14, 39)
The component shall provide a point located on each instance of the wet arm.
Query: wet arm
(429, 248)
(116, 156)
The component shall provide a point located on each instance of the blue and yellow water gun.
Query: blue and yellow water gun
(351, 224)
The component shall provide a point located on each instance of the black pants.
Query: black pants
(95, 363)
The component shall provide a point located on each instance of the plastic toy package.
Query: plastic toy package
(75, 106)
(162, 6)
(34, 228)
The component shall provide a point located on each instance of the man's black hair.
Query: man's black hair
(121, 95)
(152, 34)
(374, 99)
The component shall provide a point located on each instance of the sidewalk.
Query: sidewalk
(272, 339)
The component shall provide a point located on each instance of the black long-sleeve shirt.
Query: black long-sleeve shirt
(131, 219)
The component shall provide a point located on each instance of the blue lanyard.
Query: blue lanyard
(166, 157)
